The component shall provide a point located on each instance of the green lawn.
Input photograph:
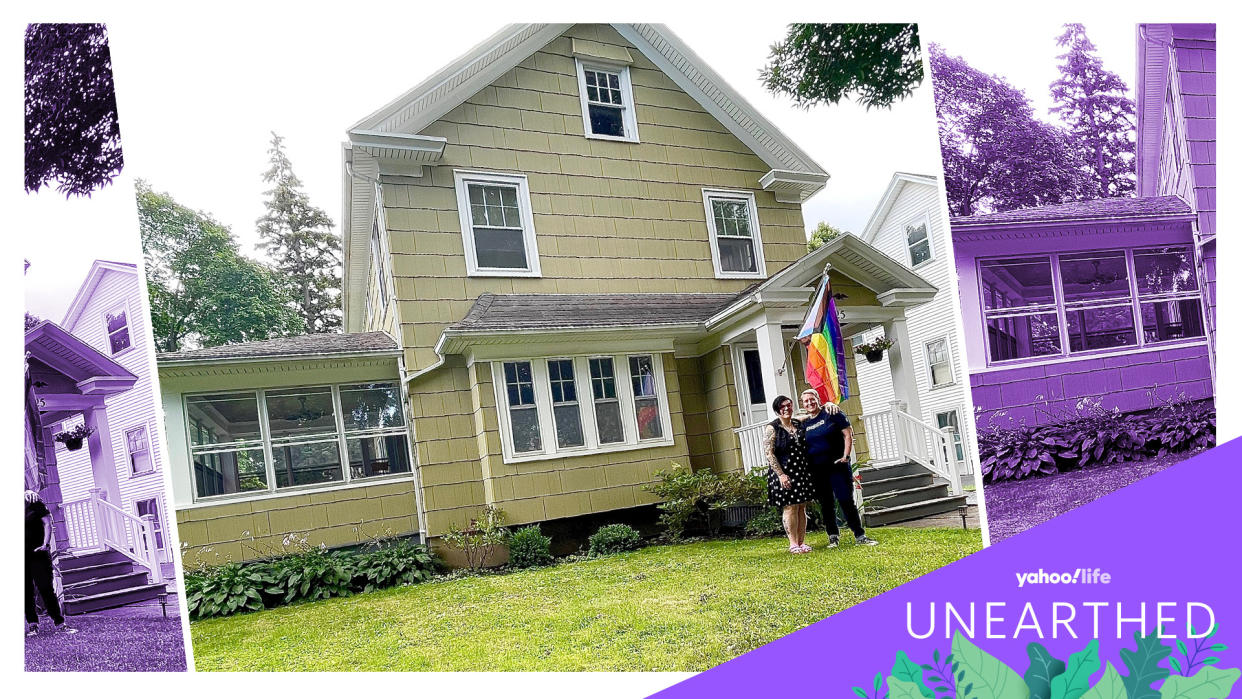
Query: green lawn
(682, 607)
(108, 643)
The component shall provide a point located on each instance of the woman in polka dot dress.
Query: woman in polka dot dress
(789, 479)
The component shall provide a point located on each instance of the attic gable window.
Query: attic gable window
(498, 230)
(116, 324)
(733, 225)
(607, 102)
(918, 242)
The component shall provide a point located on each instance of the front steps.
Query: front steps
(902, 492)
(102, 580)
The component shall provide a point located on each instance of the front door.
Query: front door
(752, 402)
(152, 506)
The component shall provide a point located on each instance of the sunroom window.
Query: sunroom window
(607, 102)
(277, 439)
(1098, 302)
(498, 229)
(733, 223)
(543, 396)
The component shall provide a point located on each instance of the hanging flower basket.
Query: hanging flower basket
(874, 350)
(72, 439)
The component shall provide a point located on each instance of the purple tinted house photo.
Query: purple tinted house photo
(1090, 325)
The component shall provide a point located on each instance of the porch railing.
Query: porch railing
(750, 440)
(96, 524)
(895, 436)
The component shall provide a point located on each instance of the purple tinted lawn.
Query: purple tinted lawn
(105, 643)
(1015, 506)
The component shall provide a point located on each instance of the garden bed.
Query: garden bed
(679, 607)
(1015, 506)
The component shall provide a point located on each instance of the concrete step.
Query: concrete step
(889, 485)
(111, 583)
(115, 598)
(880, 516)
(876, 473)
(86, 560)
(105, 570)
(910, 496)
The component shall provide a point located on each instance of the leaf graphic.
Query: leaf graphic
(1043, 668)
(1078, 671)
(1144, 666)
(1208, 683)
(991, 679)
(1110, 686)
(903, 689)
(906, 670)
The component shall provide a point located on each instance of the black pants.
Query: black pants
(39, 575)
(835, 483)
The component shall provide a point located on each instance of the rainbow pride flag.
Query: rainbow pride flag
(825, 348)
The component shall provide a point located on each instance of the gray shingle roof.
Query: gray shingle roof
(554, 311)
(296, 346)
(1114, 207)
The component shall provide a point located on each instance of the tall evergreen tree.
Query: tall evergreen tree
(299, 239)
(1092, 103)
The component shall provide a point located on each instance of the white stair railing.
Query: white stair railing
(750, 440)
(895, 436)
(132, 536)
(81, 525)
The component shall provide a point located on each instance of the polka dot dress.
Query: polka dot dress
(800, 488)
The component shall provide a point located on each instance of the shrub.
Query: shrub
(766, 523)
(387, 565)
(315, 573)
(691, 497)
(481, 537)
(226, 589)
(613, 538)
(528, 547)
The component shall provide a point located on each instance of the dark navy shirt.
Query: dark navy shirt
(825, 436)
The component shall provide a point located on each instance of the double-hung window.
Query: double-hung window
(116, 325)
(379, 266)
(541, 404)
(607, 101)
(276, 439)
(498, 229)
(918, 242)
(138, 447)
(733, 225)
(1070, 303)
(939, 362)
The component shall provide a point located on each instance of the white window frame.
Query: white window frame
(925, 219)
(931, 374)
(129, 455)
(756, 237)
(586, 409)
(122, 306)
(462, 179)
(379, 262)
(264, 443)
(629, 120)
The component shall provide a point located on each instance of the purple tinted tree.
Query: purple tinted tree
(1092, 103)
(997, 156)
(72, 133)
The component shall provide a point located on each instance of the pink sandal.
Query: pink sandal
(806, 548)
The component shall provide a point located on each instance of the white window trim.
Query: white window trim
(931, 375)
(129, 455)
(461, 178)
(756, 237)
(925, 219)
(586, 411)
(629, 120)
(381, 269)
(264, 442)
(129, 328)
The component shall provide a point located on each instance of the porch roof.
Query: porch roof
(499, 312)
(90, 369)
(298, 346)
(1090, 211)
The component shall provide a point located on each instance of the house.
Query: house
(907, 225)
(1110, 300)
(573, 257)
(106, 492)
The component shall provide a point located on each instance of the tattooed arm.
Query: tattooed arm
(769, 441)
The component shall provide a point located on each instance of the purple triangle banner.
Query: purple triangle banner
(1133, 596)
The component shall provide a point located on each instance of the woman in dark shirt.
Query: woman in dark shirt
(789, 481)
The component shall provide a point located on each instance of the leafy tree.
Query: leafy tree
(877, 64)
(1092, 103)
(822, 234)
(31, 321)
(997, 156)
(203, 291)
(298, 236)
(72, 132)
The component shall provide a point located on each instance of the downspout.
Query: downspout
(419, 507)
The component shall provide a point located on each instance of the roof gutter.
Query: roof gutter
(162, 363)
(1129, 218)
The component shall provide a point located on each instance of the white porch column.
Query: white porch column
(901, 362)
(771, 360)
(103, 465)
